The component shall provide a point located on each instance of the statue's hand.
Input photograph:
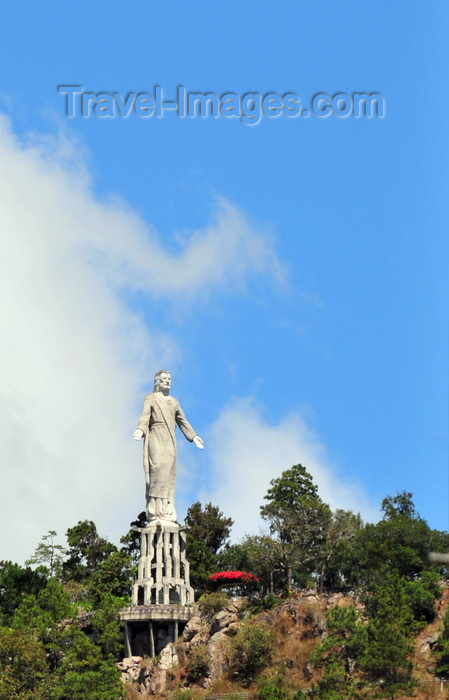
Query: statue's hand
(198, 442)
(138, 434)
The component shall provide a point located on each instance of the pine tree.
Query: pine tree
(390, 629)
(49, 554)
(337, 654)
(208, 530)
(442, 649)
(298, 518)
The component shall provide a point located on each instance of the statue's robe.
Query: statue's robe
(158, 421)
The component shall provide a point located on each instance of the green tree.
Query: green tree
(84, 673)
(442, 649)
(400, 542)
(114, 576)
(401, 504)
(208, 530)
(49, 612)
(339, 537)
(54, 620)
(87, 550)
(209, 525)
(131, 541)
(24, 674)
(96, 564)
(298, 518)
(439, 542)
(15, 583)
(44, 611)
(422, 592)
(106, 626)
(49, 554)
(338, 652)
(51, 617)
(259, 555)
(252, 649)
(391, 625)
(379, 647)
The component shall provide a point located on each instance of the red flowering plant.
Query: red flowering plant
(224, 579)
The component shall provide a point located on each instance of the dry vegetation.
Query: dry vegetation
(298, 626)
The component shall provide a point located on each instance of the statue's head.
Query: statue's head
(162, 380)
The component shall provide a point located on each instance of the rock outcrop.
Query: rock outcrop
(212, 631)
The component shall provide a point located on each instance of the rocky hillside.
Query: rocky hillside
(223, 651)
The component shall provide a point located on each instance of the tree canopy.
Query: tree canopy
(298, 518)
(207, 533)
(45, 654)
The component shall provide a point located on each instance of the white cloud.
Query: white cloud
(247, 451)
(226, 252)
(73, 356)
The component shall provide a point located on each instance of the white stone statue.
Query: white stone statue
(160, 415)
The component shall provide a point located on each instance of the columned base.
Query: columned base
(163, 574)
(162, 595)
(149, 628)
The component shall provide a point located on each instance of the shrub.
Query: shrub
(271, 692)
(423, 592)
(211, 603)
(251, 652)
(187, 694)
(197, 665)
(264, 604)
(234, 578)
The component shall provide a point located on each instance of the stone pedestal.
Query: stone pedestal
(162, 595)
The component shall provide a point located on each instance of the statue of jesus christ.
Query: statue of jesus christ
(160, 415)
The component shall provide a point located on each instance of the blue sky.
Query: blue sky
(292, 274)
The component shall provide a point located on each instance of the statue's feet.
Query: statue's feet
(161, 509)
